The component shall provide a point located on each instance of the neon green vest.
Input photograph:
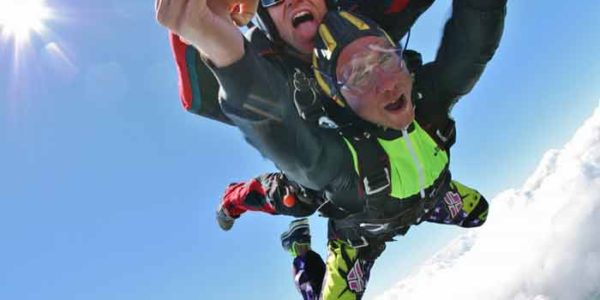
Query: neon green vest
(416, 161)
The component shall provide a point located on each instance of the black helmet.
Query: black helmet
(265, 23)
(338, 29)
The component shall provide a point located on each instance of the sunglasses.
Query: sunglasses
(269, 3)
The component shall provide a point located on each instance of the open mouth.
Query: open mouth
(397, 105)
(301, 17)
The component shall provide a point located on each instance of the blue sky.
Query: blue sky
(108, 187)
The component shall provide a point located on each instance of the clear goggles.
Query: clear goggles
(361, 74)
(294, 247)
(269, 3)
(288, 244)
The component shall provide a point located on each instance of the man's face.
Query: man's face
(297, 22)
(375, 83)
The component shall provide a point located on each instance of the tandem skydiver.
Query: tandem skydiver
(386, 196)
(275, 36)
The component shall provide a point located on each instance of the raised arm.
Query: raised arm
(206, 24)
(471, 37)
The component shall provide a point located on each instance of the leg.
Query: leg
(347, 271)
(461, 205)
(271, 193)
(308, 268)
(243, 196)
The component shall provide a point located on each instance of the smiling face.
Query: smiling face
(297, 22)
(375, 82)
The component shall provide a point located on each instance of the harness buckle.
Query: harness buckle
(374, 228)
(360, 244)
(448, 135)
(372, 186)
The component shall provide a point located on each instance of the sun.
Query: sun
(19, 18)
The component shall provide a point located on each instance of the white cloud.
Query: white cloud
(541, 242)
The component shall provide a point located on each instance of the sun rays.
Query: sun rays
(20, 18)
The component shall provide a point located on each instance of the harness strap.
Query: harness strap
(395, 217)
(373, 170)
(446, 137)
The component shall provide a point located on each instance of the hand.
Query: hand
(242, 11)
(183, 17)
(207, 25)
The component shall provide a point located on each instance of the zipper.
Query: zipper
(413, 153)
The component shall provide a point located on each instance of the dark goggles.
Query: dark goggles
(269, 3)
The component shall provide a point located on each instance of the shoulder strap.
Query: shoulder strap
(373, 166)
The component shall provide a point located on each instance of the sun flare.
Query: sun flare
(19, 18)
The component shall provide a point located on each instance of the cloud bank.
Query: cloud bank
(540, 242)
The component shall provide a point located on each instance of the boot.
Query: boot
(223, 219)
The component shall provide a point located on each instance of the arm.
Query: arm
(471, 37)
(198, 87)
(257, 95)
(395, 16)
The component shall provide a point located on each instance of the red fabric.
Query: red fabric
(396, 6)
(236, 196)
(185, 88)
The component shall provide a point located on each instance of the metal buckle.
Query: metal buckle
(363, 243)
(370, 191)
(325, 122)
(373, 227)
(441, 136)
(448, 135)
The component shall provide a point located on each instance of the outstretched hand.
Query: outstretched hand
(179, 14)
(209, 25)
(189, 19)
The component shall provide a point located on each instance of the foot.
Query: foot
(223, 219)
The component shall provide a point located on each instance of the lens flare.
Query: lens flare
(19, 18)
